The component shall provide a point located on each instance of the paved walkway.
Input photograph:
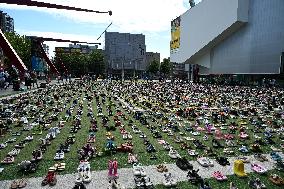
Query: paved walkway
(126, 177)
(11, 92)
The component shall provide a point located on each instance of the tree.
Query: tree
(166, 66)
(153, 68)
(96, 62)
(80, 64)
(21, 45)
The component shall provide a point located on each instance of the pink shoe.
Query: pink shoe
(219, 176)
(258, 168)
(243, 135)
(110, 168)
(115, 166)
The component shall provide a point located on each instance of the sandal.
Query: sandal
(60, 166)
(22, 183)
(14, 184)
(277, 180)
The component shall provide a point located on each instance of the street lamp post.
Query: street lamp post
(122, 70)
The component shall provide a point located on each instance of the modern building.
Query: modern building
(6, 25)
(76, 48)
(46, 49)
(179, 71)
(230, 37)
(6, 22)
(85, 49)
(125, 52)
(151, 56)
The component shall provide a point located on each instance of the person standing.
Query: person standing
(34, 79)
(2, 78)
(28, 80)
(7, 80)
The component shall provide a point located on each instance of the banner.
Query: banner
(175, 34)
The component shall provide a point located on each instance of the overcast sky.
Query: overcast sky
(150, 17)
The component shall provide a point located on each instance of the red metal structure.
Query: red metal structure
(49, 5)
(52, 67)
(11, 54)
(42, 39)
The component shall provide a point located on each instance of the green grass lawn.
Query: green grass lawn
(100, 163)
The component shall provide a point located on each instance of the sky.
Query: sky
(149, 17)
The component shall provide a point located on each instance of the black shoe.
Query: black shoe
(183, 164)
(79, 185)
(222, 161)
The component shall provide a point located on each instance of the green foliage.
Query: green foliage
(166, 66)
(79, 64)
(96, 63)
(21, 45)
(153, 67)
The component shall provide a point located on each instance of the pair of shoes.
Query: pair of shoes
(79, 185)
(275, 156)
(29, 138)
(244, 159)
(3, 145)
(205, 162)
(256, 184)
(138, 170)
(14, 152)
(243, 149)
(183, 164)
(18, 184)
(232, 186)
(58, 167)
(50, 179)
(174, 154)
(219, 176)
(20, 145)
(59, 155)
(114, 184)
(84, 172)
(132, 158)
(36, 155)
(27, 166)
(8, 159)
(228, 151)
(162, 168)
(277, 180)
(112, 169)
(260, 157)
(169, 180)
(192, 152)
(204, 185)
(193, 176)
(258, 168)
(222, 161)
(65, 147)
(143, 182)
